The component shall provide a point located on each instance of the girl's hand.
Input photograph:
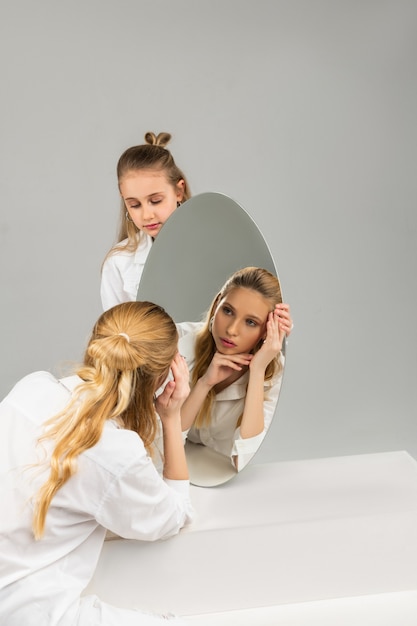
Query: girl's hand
(169, 403)
(283, 312)
(271, 347)
(223, 365)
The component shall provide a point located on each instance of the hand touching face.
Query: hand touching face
(242, 319)
(275, 332)
(284, 315)
(170, 401)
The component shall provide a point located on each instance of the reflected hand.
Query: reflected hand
(223, 365)
(271, 347)
(286, 323)
(169, 403)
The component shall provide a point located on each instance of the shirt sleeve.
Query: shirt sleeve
(244, 449)
(139, 504)
(111, 289)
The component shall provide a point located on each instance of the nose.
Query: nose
(147, 212)
(232, 329)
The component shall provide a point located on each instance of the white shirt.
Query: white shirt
(116, 487)
(221, 434)
(121, 273)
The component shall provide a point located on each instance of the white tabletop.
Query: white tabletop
(278, 535)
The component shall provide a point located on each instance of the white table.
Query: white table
(323, 535)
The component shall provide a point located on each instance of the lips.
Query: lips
(152, 226)
(226, 343)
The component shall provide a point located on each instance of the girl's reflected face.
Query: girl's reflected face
(240, 321)
(149, 198)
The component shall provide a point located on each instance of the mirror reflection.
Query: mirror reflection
(233, 346)
(235, 362)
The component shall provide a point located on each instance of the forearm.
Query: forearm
(253, 421)
(193, 404)
(175, 464)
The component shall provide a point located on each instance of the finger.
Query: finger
(239, 356)
(179, 366)
(167, 392)
(226, 363)
(283, 314)
(182, 363)
(234, 360)
(175, 366)
(283, 306)
(273, 323)
(286, 321)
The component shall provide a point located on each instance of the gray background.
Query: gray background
(303, 111)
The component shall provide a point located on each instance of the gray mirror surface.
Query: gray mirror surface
(204, 241)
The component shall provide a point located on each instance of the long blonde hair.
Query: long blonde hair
(128, 356)
(152, 155)
(257, 279)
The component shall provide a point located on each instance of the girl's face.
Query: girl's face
(240, 321)
(149, 198)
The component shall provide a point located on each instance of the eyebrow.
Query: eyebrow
(155, 193)
(254, 317)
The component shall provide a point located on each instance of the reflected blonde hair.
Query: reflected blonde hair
(129, 353)
(264, 283)
(152, 155)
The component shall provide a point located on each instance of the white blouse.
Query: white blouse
(228, 405)
(121, 273)
(115, 487)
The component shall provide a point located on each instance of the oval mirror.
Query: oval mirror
(204, 242)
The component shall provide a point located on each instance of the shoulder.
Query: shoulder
(119, 254)
(33, 382)
(188, 328)
(38, 394)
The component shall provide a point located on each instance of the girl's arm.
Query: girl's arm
(168, 406)
(193, 403)
(253, 421)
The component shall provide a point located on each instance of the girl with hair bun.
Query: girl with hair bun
(75, 461)
(151, 187)
(236, 365)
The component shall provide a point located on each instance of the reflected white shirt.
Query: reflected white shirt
(121, 273)
(116, 487)
(228, 405)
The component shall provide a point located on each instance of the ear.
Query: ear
(180, 189)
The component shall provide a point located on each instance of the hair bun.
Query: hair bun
(157, 140)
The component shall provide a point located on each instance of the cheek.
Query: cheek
(136, 220)
(255, 337)
(164, 212)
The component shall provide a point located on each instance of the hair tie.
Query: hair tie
(125, 336)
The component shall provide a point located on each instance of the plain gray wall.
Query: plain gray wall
(303, 111)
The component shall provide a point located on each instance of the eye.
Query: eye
(251, 323)
(134, 206)
(156, 201)
(227, 310)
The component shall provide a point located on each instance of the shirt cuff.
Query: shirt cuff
(181, 486)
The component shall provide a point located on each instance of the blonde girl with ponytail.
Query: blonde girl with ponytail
(151, 187)
(76, 461)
